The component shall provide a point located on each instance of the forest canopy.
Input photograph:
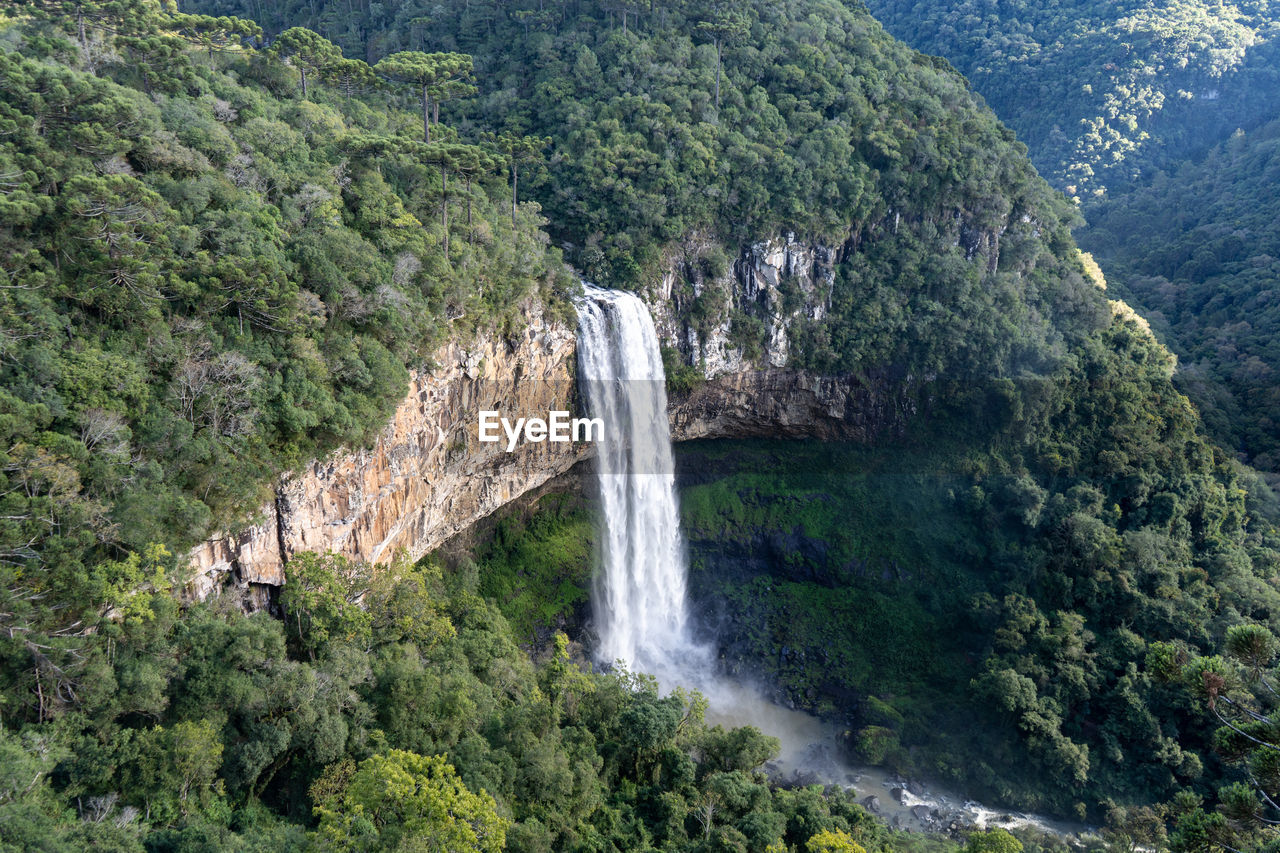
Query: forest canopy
(1196, 248)
(1102, 92)
(227, 247)
(211, 277)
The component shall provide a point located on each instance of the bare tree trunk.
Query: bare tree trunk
(426, 116)
(39, 695)
(444, 207)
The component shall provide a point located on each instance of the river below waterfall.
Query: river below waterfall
(811, 754)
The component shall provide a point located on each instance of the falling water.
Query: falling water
(639, 596)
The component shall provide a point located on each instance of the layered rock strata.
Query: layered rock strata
(426, 477)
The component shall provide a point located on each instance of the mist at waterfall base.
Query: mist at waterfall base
(639, 602)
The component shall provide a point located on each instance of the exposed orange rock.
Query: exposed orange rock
(427, 477)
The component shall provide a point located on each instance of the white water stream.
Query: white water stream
(639, 597)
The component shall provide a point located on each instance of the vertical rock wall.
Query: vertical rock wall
(427, 477)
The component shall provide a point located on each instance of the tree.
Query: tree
(727, 750)
(320, 601)
(624, 8)
(405, 801)
(467, 160)
(518, 149)
(833, 841)
(1135, 827)
(449, 90)
(437, 75)
(352, 76)
(195, 752)
(306, 51)
(213, 33)
(115, 231)
(992, 841)
(121, 18)
(725, 23)
(404, 605)
(1239, 691)
(563, 681)
(471, 162)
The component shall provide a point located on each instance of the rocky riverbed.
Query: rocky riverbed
(810, 754)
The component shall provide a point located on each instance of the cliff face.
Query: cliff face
(427, 477)
(695, 309)
(772, 286)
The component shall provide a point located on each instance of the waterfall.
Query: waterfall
(639, 595)
(638, 598)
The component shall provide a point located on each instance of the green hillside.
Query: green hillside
(222, 257)
(1102, 91)
(1196, 248)
(208, 280)
(1159, 118)
(823, 126)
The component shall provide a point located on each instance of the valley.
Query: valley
(894, 487)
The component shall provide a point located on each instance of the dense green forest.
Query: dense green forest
(1196, 248)
(1168, 105)
(204, 729)
(1102, 91)
(988, 601)
(209, 280)
(988, 588)
(740, 121)
(225, 249)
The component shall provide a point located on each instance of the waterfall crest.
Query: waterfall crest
(639, 596)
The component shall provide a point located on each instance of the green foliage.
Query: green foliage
(212, 281)
(1029, 561)
(877, 744)
(306, 51)
(748, 120)
(1239, 693)
(1160, 117)
(681, 377)
(438, 76)
(321, 602)
(537, 568)
(833, 842)
(1195, 248)
(1103, 91)
(992, 841)
(404, 801)
(205, 285)
(432, 732)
